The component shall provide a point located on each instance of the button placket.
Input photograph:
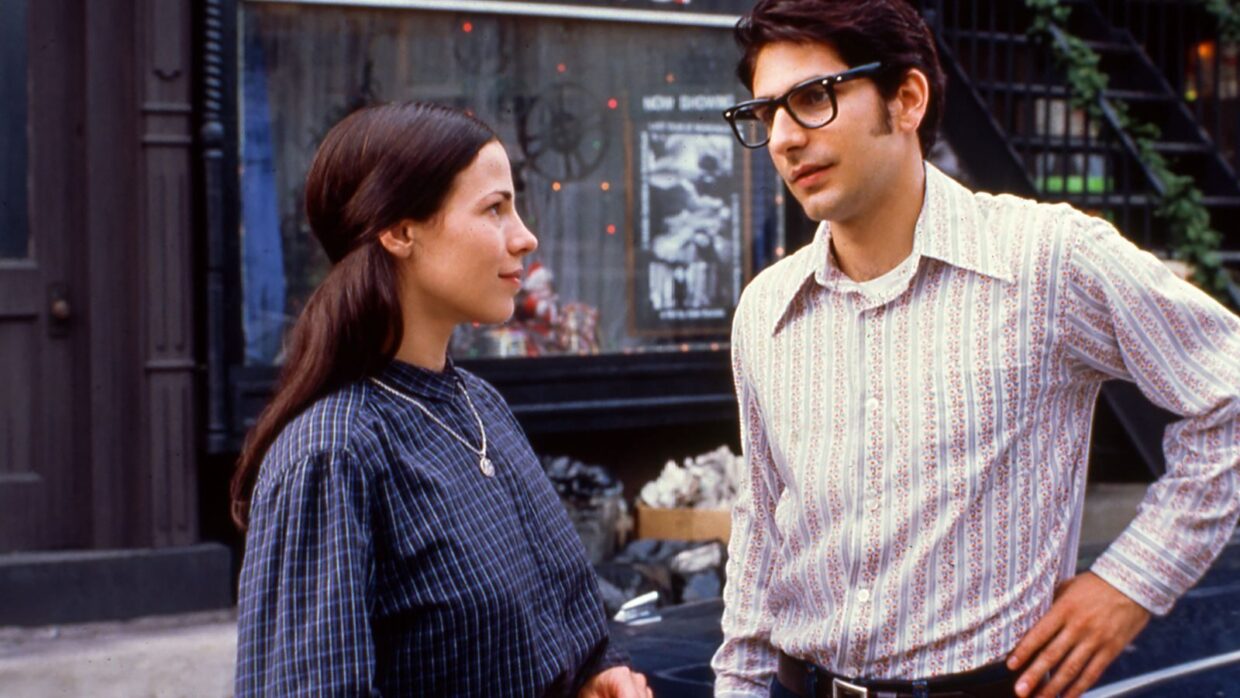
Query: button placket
(872, 510)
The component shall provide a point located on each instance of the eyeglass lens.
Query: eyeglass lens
(811, 105)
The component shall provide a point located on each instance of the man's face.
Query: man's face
(837, 172)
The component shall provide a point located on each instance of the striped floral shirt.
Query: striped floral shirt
(380, 559)
(916, 450)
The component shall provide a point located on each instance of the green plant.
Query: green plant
(1228, 19)
(1181, 203)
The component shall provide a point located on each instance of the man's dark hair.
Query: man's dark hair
(890, 31)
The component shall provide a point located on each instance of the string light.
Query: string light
(605, 186)
(671, 77)
(613, 103)
(611, 230)
(561, 68)
(467, 27)
(555, 186)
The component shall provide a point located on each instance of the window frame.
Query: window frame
(553, 394)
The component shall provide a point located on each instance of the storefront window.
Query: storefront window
(14, 232)
(650, 216)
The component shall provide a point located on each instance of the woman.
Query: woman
(402, 538)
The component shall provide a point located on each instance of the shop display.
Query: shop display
(644, 205)
(707, 481)
(594, 500)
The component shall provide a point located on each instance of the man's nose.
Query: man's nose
(786, 133)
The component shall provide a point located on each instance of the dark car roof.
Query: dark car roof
(1192, 651)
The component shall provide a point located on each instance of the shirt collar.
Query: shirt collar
(419, 382)
(950, 228)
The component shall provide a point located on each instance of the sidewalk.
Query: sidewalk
(187, 656)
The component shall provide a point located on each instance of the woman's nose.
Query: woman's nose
(522, 241)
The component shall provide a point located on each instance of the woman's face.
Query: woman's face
(467, 262)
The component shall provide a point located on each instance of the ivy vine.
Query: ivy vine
(1181, 204)
(1228, 19)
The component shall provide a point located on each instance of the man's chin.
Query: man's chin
(816, 208)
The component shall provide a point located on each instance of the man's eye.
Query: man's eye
(812, 96)
(764, 113)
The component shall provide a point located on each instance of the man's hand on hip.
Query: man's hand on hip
(1089, 624)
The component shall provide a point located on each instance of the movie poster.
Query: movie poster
(689, 249)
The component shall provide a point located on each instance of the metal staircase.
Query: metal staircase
(1010, 119)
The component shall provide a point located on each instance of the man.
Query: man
(916, 390)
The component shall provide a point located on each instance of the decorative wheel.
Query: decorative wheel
(563, 132)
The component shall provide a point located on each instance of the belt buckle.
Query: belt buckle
(842, 689)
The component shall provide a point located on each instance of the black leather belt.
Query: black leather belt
(812, 681)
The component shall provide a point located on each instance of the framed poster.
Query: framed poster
(689, 248)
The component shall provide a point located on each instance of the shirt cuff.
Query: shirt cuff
(611, 657)
(1144, 572)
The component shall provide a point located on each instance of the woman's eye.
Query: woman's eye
(493, 209)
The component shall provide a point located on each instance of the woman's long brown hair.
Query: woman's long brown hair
(378, 166)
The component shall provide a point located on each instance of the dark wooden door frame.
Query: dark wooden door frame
(144, 437)
(111, 415)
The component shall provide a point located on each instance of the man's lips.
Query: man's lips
(514, 276)
(804, 174)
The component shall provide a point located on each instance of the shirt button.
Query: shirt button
(863, 595)
(871, 404)
(875, 505)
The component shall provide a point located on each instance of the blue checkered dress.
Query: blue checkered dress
(380, 559)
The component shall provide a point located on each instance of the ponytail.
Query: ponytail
(347, 330)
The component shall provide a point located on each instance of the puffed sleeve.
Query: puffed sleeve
(306, 583)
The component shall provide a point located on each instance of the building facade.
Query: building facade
(153, 248)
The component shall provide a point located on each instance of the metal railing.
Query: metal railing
(1068, 153)
(1182, 39)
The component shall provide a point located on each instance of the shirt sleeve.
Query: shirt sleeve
(1129, 317)
(745, 661)
(303, 626)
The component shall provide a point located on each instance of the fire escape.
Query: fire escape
(1010, 121)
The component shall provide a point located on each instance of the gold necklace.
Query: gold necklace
(484, 463)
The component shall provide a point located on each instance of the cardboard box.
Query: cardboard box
(683, 524)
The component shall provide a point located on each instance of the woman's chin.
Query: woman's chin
(495, 316)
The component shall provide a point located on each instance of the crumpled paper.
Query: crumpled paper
(707, 481)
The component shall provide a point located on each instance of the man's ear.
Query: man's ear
(398, 239)
(911, 101)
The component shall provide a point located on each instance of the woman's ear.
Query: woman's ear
(398, 239)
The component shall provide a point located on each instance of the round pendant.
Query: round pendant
(487, 468)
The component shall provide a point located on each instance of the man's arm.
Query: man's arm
(745, 662)
(1131, 318)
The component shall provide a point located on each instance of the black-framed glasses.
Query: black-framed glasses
(810, 103)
